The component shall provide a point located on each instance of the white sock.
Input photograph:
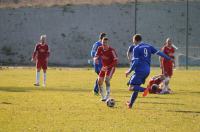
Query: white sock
(101, 92)
(108, 91)
(163, 86)
(44, 78)
(37, 77)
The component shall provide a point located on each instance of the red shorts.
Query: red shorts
(41, 64)
(167, 69)
(109, 72)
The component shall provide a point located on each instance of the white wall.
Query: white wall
(71, 30)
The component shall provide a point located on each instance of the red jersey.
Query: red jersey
(155, 81)
(168, 51)
(108, 57)
(41, 51)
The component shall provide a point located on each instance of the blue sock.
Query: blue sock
(133, 98)
(138, 88)
(96, 88)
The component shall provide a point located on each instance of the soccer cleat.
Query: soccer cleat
(128, 105)
(36, 84)
(146, 91)
(104, 99)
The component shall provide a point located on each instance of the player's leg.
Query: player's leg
(97, 70)
(38, 66)
(107, 82)
(44, 67)
(109, 75)
(170, 72)
(135, 82)
(100, 84)
(167, 68)
(165, 85)
(132, 100)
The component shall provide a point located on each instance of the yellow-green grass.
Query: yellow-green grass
(68, 104)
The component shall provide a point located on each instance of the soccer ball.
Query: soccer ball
(110, 102)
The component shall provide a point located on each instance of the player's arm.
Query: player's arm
(128, 53)
(164, 55)
(115, 59)
(159, 53)
(48, 53)
(96, 56)
(160, 59)
(34, 53)
(134, 62)
(93, 51)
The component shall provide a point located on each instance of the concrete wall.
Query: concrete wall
(71, 30)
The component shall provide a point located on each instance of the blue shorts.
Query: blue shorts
(138, 78)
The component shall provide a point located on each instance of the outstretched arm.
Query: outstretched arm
(163, 55)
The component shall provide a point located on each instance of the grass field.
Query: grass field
(68, 104)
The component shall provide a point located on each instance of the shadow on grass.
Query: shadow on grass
(30, 89)
(187, 92)
(185, 111)
(14, 89)
(196, 92)
(161, 103)
(6, 103)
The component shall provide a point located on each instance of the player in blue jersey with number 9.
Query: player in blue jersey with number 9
(141, 66)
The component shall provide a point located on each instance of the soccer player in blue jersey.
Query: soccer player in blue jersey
(97, 66)
(141, 66)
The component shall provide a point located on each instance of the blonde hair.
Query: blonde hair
(43, 36)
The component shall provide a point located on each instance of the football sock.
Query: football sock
(37, 77)
(44, 78)
(96, 89)
(138, 88)
(133, 98)
(108, 91)
(101, 91)
(165, 84)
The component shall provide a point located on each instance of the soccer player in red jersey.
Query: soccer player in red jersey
(40, 56)
(109, 62)
(167, 65)
(154, 83)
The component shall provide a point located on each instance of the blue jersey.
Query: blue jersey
(94, 48)
(98, 66)
(142, 52)
(142, 57)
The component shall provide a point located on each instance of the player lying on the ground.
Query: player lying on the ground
(40, 56)
(109, 62)
(154, 84)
